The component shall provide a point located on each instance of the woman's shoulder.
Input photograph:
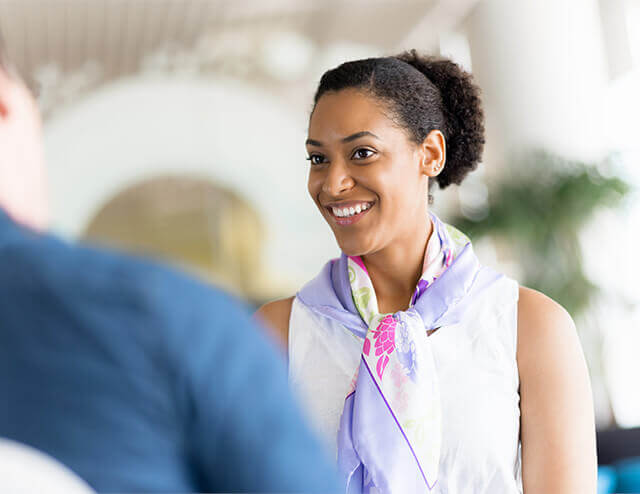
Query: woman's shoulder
(542, 323)
(548, 348)
(275, 316)
(541, 315)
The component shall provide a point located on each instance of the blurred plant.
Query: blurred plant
(539, 212)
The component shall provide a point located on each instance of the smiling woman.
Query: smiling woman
(426, 371)
(379, 167)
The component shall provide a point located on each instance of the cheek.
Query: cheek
(310, 187)
(314, 186)
(400, 192)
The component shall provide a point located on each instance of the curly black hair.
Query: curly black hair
(422, 93)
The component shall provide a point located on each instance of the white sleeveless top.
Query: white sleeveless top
(479, 387)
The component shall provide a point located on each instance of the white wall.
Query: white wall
(235, 134)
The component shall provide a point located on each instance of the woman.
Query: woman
(427, 371)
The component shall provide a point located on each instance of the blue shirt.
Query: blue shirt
(140, 379)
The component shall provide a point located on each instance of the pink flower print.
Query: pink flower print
(380, 366)
(385, 336)
(385, 342)
(367, 347)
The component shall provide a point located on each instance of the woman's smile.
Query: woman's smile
(348, 213)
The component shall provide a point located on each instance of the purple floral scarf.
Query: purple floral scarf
(390, 430)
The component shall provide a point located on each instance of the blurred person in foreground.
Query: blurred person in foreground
(136, 378)
(427, 371)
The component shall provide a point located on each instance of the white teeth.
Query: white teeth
(350, 211)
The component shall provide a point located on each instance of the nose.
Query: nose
(338, 179)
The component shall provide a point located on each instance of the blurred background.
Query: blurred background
(176, 128)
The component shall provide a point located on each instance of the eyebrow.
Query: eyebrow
(350, 138)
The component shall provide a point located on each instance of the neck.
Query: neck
(396, 269)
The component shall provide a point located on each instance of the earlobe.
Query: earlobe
(434, 167)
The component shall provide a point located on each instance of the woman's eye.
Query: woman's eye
(363, 154)
(316, 159)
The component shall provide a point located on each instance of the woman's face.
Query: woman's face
(366, 176)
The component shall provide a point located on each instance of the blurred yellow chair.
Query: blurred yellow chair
(202, 227)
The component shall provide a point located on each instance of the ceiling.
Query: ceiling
(63, 47)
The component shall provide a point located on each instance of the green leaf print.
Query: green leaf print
(361, 298)
(352, 275)
(458, 237)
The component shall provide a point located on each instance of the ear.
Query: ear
(434, 153)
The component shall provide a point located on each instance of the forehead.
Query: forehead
(343, 113)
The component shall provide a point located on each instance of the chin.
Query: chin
(351, 248)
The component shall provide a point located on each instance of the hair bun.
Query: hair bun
(462, 110)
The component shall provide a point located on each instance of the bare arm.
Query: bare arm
(275, 316)
(557, 420)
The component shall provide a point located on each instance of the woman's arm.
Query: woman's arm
(275, 316)
(557, 419)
